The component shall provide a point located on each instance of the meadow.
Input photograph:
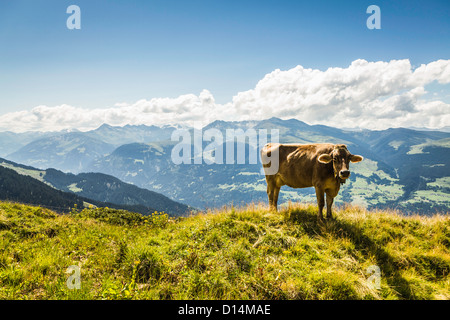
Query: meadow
(231, 253)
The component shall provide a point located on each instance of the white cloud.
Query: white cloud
(373, 95)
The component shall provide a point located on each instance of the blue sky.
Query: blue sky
(131, 50)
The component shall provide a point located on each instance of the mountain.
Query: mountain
(12, 141)
(69, 152)
(25, 189)
(442, 129)
(150, 166)
(102, 188)
(421, 162)
(403, 168)
(130, 133)
(73, 151)
(204, 185)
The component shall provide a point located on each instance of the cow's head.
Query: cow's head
(341, 159)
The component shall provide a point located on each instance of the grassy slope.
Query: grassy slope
(246, 253)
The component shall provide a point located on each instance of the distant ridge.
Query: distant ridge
(24, 189)
(95, 188)
(405, 169)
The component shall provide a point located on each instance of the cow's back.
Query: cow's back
(298, 165)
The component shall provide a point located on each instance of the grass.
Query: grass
(232, 253)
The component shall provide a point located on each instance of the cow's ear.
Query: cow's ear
(325, 158)
(355, 158)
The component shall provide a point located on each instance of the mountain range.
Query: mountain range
(25, 189)
(59, 190)
(405, 169)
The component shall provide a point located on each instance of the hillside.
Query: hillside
(68, 152)
(25, 189)
(102, 187)
(74, 151)
(12, 141)
(246, 253)
(99, 187)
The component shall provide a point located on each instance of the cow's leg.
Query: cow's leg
(270, 195)
(271, 186)
(276, 192)
(320, 201)
(329, 204)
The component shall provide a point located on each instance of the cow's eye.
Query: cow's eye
(334, 160)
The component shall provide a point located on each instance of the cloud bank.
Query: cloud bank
(372, 95)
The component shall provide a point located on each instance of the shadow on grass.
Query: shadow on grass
(309, 222)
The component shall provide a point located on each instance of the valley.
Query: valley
(404, 169)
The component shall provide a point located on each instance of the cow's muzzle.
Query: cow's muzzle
(344, 174)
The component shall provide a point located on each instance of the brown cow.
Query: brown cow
(323, 166)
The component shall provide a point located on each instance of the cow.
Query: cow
(323, 166)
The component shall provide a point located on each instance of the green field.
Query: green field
(233, 253)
